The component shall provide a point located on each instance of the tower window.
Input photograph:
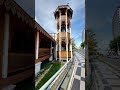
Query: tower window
(63, 29)
(63, 13)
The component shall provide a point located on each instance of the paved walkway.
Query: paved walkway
(108, 78)
(79, 73)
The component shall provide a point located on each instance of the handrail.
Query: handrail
(49, 82)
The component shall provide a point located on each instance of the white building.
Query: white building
(116, 23)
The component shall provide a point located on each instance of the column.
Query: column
(37, 65)
(56, 51)
(37, 45)
(51, 58)
(60, 37)
(66, 37)
(5, 46)
(71, 43)
(51, 48)
(56, 45)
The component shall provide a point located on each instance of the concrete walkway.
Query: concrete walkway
(79, 73)
(108, 78)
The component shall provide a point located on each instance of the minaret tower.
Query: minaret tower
(63, 15)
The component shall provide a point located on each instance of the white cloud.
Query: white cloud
(44, 12)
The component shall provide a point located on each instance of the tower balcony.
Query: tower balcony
(63, 41)
(63, 54)
(63, 35)
(63, 19)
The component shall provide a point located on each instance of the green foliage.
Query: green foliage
(44, 66)
(114, 44)
(91, 42)
(51, 72)
(83, 45)
(73, 44)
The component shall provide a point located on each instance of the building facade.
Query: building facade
(24, 45)
(63, 15)
(116, 23)
(17, 44)
(44, 47)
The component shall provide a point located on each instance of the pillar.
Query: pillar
(56, 51)
(5, 46)
(60, 37)
(51, 58)
(71, 43)
(51, 47)
(37, 45)
(66, 37)
(56, 46)
(37, 65)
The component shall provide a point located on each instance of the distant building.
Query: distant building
(116, 23)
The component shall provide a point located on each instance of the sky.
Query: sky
(42, 11)
(99, 14)
(44, 16)
(95, 14)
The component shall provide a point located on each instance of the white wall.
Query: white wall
(37, 68)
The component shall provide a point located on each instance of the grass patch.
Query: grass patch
(51, 72)
(44, 66)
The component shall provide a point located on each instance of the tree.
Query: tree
(115, 44)
(73, 44)
(83, 45)
(91, 41)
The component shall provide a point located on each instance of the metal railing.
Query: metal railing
(56, 80)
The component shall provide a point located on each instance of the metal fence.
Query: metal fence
(55, 81)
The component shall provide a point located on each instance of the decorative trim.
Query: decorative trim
(16, 9)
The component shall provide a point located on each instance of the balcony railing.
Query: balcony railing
(63, 54)
(42, 58)
(55, 81)
(16, 78)
(63, 35)
(44, 52)
(63, 18)
(19, 61)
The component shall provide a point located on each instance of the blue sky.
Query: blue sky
(43, 10)
(99, 14)
(44, 16)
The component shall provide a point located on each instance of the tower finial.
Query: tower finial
(67, 3)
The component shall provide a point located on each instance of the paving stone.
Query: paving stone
(82, 78)
(76, 84)
(107, 88)
(114, 81)
(78, 72)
